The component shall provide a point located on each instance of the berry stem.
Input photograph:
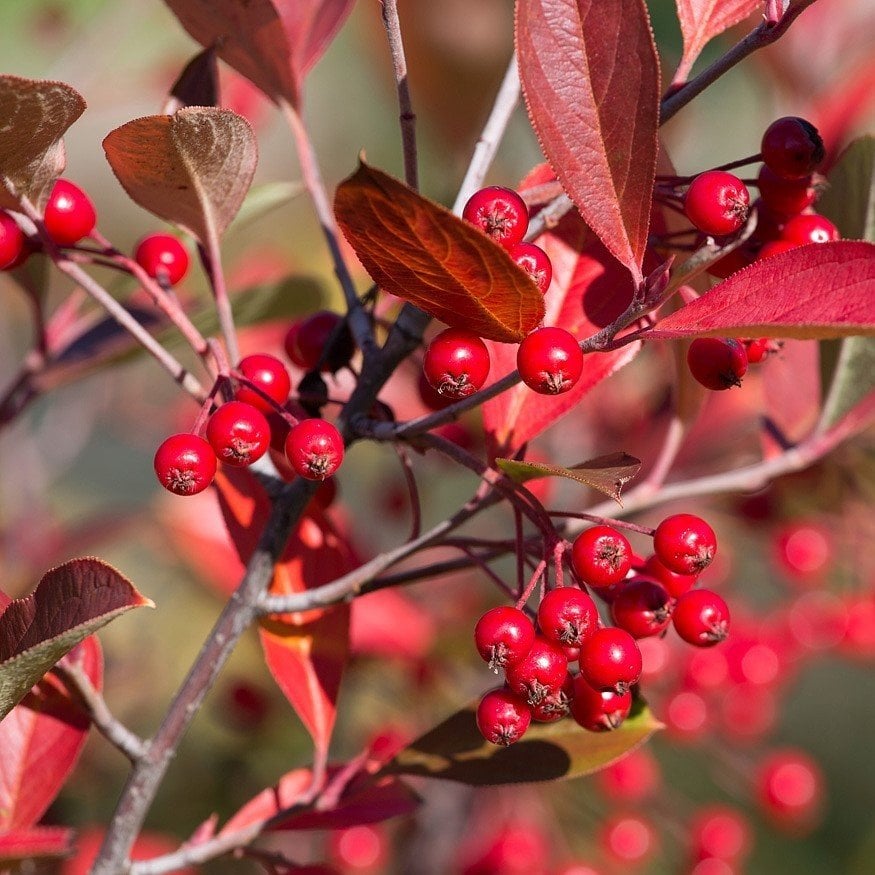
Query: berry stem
(211, 259)
(533, 582)
(412, 489)
(603, 521)
(730, 165)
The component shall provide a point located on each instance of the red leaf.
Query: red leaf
(591, 80)
(388, 623)
(46, 841)
(309, 26)
(821, 290)
(702, 20)
(40, 740)
(419, 251)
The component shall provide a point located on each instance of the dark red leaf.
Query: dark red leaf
(817, 291)
(702, 20)
(421, 252)
(310, 26)
(40, 841)
(590, 74)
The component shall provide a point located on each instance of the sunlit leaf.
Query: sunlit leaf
(34, 843)
(702, 20)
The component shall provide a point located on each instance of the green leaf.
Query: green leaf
(262, 199)
(608, 474)
(456, 751)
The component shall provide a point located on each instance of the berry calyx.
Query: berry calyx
(717, 203)
(610, 660)
(500, 213)
(269, 374)
(556, 705)
(69, 214)
(717, 363)
(307, 338)
(792, 147)
(456, 363)
(685, 543)
(567, 616)
(540, 673)
(601, 556)
(314, 449)
(786, 197)
(185, 464)
(503, 635)
(503, 717)
(701, 618)
(599, 710)
(163, 257)
(535, 262)
(809, 228)
(238, 433)
(550, 361)
(11, 241)
(642, 607)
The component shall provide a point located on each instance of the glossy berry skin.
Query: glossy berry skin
(185, 464)
(314, 449)
(673, 583)
(792, 147)
(717, 203)
(70, 214)
(786, 197)
(500, 213)
(238, 433)
(456, 363)
(307, 338)
(550, 361)
(503, 717)
(503, 635)
(809, 228)
(717, 363)
(601, 556)
(11, 241)
(567, 616)
(774, 247)
(642, 607)
(540, 673)
(162, 256)
(701, 618)
(685, 543)
(535, 262)
(270, 375)
(599, 710)
(610, 660)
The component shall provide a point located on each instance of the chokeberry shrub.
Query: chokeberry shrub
(454, 505)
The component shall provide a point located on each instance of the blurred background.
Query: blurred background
(795, 563)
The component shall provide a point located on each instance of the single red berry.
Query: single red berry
(701, 618)
(674, 584)
(629, 839)
(567, 616)
(686, 716)
(185, 464)
(69, 214)
(774, 247)
(363, 849)
(809, 228)
(499, 212)
(503, 635)
(601, 556)
(721, 832)
(643, 608)
(791, 787)
(307, 338)
(11, 241)
(550, 361)
(632, 779)
(535, 262)
(456, 363)
(757, 349)
(503, 717)
(238, 433)
(786, 197)
(540, 673)
(706, 669)
(162, 256)
(599, 710)
(739, 258)
(717, 203)
(314, 449)
(685, 543)
(269, 374)
(717, 362)
(792, 147)
(555, 705)
(610, 660)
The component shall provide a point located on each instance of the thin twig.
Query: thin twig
(211, 258)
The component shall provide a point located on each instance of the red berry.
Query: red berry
(456, 363)
(11, 241)
(540, 673)
(685, 543)
(610, 660)
(701, 618)
(162, 256)
(69, 214)
(499, 212)
(503, 635)
(535, 262)
(686, 716)
(717, 203)
(599, 710)
(550, 361)
(356, 849)
(717, 362)
(721, 832)
(238, 433)
(567, 616)
(502, 717)
(629, 839)
(307, 338)
(774, 247)
(786, 197)
(270, 375)
(555, 705)
(792, 147)
(739, 258)
(634, 778)
(601, 556)
(642, 608)
(757, 349)
(791, 787)
(809, 228)
(674, 584)
(185, 464)
(314, 449)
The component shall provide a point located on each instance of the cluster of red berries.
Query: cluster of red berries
(238, 433)
(539, 685)
(309, 345)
